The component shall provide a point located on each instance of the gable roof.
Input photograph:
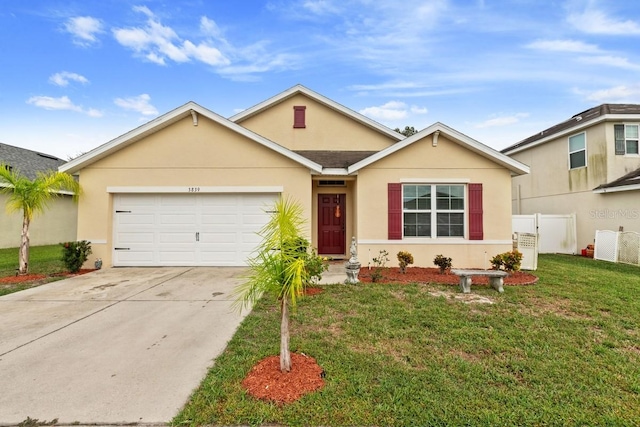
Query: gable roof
(188, 109)
(299, 89)
(471, 144)
(28, 162)
(578, 122)
(628, 182)
(335, 159)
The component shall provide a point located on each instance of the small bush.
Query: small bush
(444, 263)
(379, 262)
(508, 261)
(404, 259)
(74, 254)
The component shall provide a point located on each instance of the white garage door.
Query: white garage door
(187, 229)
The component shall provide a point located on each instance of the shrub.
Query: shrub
(379, 262)
(74, 254)
(444, 263)
(508, 261)
(404, 259)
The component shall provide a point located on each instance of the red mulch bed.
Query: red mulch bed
(11, 280)
(433, 275)
(267, 382)
(313, 291)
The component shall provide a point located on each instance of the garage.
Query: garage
(192, 229)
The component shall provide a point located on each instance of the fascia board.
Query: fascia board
(618, 189)
(165, 120)
(513, 165)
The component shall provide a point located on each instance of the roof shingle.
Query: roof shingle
(28, 162)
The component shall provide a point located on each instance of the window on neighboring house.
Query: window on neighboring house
(433, 210)
(626, 137)
(299, 116)
(578, 151)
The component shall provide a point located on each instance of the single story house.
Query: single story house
(192, 187)
(58, 223)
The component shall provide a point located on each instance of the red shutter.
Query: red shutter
(298, 116)
(475, 212)
(394, 192)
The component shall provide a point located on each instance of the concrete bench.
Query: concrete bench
(496, 278)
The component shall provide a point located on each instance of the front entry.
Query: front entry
(331, 224)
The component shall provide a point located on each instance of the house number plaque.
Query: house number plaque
(194, 189)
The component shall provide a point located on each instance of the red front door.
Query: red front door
(331, 224)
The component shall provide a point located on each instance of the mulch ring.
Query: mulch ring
(267, 382)
(313, 290)
(433, 275)
(27, 278)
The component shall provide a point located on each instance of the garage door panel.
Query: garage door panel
(219, 219)
(139, 257)
(177, 237)
(134, 238)
(135, 219)
(178, 219)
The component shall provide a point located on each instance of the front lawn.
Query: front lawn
(45, 260)
(565, 351)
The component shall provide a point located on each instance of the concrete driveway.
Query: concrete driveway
(119, 345)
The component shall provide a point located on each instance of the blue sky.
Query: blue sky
(76, 74)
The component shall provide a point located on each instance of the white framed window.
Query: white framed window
(433, 210)
(626, 139)
(578, 151)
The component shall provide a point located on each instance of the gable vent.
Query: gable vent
(331, 183)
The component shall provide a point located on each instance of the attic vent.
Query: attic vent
(331, 183)
(8, 167)
(578, 118)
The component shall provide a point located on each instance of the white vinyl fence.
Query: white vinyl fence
(556, 233)
(618, 246)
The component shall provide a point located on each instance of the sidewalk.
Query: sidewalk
(335, 274)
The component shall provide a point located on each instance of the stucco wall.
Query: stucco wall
(447, 163)
(183, 155)
(326, 129)
(56, 224)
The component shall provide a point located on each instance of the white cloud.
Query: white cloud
(84, 29)
(159, 43)
(617, 94)
(62, 103)
(595, 21)
(320, 7)
(138, 103)
(563, 46)
(502, 121)
(392, 110)
(63, 78)
(611, 61)
(419, 110)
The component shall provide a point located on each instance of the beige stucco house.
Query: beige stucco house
(58, 223)
(588, 165)
(191, 187)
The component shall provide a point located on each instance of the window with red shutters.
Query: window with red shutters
(299, 116)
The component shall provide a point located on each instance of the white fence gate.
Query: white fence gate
(618, 246)
(556, 233)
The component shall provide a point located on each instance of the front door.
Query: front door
(331, 224)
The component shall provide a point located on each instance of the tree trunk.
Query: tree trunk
(24, 247)
(285, 356)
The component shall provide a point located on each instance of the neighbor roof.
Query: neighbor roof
(630, 181)
(28, 162)
(579, 121)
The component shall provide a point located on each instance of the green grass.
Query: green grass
(42, 260)
(565, 351)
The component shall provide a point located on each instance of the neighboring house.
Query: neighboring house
(191, 187)
(58, 223)
(588, 165)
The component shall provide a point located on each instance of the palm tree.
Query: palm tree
(31, 197)
(279, 268)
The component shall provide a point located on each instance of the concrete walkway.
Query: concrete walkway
(124, 345)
